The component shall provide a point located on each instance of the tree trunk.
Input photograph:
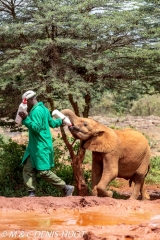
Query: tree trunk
(87, 105)
(77, 161)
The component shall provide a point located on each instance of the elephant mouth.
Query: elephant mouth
(76, 130)
(73, 128)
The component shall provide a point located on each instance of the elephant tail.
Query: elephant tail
(132, 178)
(148, 169)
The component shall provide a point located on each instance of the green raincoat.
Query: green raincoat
(40, 147)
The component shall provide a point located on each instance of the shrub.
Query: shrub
(146, 106)
(10, 167)
(151, 141)
(153, 175)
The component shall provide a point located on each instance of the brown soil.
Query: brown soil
(88, 218)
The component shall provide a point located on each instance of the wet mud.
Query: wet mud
(87, 218)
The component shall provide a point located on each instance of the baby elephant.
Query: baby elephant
(115, 153)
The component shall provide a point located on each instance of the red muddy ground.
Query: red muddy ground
(79, 218)
(88, 218)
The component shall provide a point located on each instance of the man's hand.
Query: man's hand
(23, 115)
(63, 123)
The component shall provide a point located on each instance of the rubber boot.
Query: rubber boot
(68, 190)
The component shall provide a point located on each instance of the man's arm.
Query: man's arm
(54, 123)
(36, 124)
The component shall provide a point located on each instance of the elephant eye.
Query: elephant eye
(85, 124)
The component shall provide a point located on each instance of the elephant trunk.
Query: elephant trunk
(69, 113)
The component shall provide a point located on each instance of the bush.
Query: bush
(10, 167)
(153, 175)
(146, 106)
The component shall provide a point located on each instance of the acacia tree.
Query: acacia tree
(73, 51)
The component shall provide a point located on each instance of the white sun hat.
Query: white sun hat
(28, 94)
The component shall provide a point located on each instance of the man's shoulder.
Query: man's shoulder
(41, 107)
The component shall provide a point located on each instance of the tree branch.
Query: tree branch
(74, 105)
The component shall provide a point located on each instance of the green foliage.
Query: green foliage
(152, 142)
(88, 157)
(153, 175)
(73, 51)
(115, 183)
(118, 195)
(147, 105)
(10, 168)
(113, 103)
(12, 101)
(104, 104)
(114, 127)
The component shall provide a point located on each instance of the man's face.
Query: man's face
(30, 103)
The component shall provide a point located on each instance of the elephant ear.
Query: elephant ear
(103, 142)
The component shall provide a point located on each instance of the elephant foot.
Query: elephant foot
(94, 191)
(135, 197)
(103, 193)
(110, 193)
(131, 198)
(145, 196)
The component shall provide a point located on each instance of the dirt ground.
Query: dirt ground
(88, 218)
(82, 218)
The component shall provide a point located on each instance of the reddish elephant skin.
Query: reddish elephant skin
(115, 153)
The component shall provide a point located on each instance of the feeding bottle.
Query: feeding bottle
(58, 114)
(22, 108)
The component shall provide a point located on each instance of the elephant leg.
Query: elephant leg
(138, 187)
(110, 172)
(97, 168)
(144, 194)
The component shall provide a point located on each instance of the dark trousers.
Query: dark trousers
(29, 177)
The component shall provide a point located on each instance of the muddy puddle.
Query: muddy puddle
(70, 218)
(46, 218)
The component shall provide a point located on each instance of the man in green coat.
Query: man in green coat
(38, 157)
